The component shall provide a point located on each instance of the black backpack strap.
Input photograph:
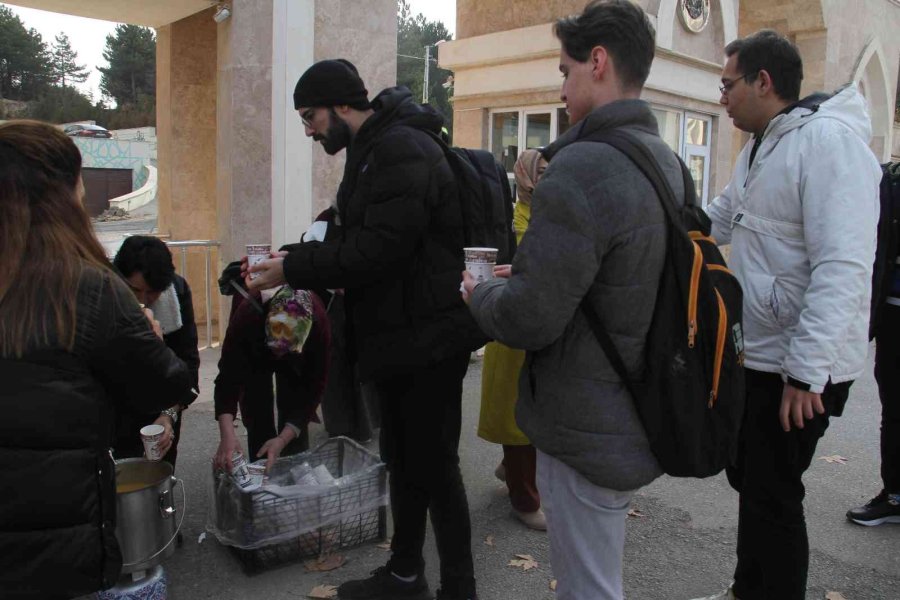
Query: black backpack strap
(644, 160)
(253, 301)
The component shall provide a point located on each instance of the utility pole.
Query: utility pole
(427, 64)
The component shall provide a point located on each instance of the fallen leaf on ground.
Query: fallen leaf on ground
(553, 584)
(636, 513)
(834, 596)
(834, 459)
(325, 563)
(489, 540)
(323, 591)
(525, 561)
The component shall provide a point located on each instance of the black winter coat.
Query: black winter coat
(399, 257)
(57, 488)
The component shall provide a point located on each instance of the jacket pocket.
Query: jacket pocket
(767, 302)
(782, 230)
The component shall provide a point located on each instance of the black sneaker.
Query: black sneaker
(382, 585)
(883, 508)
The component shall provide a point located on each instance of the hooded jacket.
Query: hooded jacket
(399, 254)
(598, 231)
(801, 221)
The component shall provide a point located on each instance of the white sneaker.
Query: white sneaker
(533, 520)
(726, 594)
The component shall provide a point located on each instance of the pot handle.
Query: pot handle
(167, 512)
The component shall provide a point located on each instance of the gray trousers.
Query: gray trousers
(586, 525)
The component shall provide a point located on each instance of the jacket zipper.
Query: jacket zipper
(692, 297)
(719, 268)
(720, 350)
(698, 236)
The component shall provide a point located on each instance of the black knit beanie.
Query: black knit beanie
(331, 83)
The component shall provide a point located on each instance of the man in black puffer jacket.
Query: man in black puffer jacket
(399, 259)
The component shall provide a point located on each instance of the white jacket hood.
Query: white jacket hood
(847, 106)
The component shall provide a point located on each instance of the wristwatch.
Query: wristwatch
(173, 413)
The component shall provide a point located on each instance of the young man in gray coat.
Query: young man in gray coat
(598, 231)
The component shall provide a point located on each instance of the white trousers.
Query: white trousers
(586, 525)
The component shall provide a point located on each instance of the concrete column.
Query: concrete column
(244, 118)
(186, 127)
(292, 176)
(186, 151)
(365, 33)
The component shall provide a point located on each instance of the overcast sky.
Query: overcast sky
(88, 36)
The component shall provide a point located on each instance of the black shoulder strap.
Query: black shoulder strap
(641, 156)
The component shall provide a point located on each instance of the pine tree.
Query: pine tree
(131, 75)
(64, 66)
(413, 34)
(24, 61)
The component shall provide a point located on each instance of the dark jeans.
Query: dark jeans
(887, 374)
(258, 411)
(420, 427)
(772, 546)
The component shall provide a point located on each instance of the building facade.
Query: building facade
(507, 83)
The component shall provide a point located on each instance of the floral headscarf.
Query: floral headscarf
(289, 321)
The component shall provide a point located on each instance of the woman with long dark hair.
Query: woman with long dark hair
(74, 347)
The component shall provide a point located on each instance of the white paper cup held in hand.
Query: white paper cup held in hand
(256, 253)
(480, 263)
(152, 435)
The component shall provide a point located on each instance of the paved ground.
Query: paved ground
(683, 547)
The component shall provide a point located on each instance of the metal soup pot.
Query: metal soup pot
(146, 512)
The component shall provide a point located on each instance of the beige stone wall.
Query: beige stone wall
(706, 45)
(478, 17)
(244, 127)
(186, 134)
(803, 22)
(365, 33)
(865, 45)
(833, 37)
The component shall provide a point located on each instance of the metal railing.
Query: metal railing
(207, 245)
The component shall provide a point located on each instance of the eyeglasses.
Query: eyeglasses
(307, 116)
(726, 87)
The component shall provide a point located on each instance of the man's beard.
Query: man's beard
(337, 137)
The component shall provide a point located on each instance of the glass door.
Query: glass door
(505, 138)
(696, 152)
(538, 129)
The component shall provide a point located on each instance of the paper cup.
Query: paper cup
(152, 435)
(256, 253)
(480, 262)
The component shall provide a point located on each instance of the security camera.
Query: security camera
(222, 14)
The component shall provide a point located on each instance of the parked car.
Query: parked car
(80, 130)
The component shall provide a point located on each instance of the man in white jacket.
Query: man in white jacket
(800, 213)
